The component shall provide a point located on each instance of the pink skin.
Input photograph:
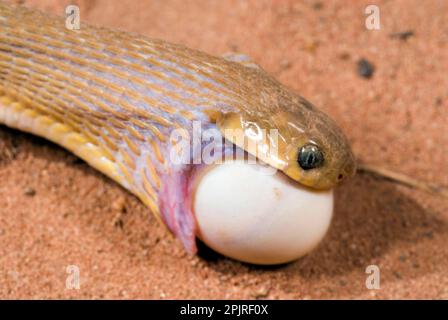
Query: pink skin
(177, 194)
(176, 197)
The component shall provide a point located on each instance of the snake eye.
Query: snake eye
(310, 157)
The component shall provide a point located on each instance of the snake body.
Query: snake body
(114, 98)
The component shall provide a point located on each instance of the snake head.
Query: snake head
(294, 137)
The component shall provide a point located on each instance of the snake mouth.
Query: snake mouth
(177, 193)
(244, 212)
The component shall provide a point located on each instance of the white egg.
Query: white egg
(250, 215)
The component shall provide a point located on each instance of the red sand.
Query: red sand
(397, 119)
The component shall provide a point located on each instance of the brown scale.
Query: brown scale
(22, 77)
(89, 75)
(100, 67)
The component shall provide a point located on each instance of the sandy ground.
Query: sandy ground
(56, 211)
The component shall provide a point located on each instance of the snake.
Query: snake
(115, 98)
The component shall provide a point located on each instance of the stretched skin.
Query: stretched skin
(114, 99)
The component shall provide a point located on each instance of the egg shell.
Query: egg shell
(255, 215)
